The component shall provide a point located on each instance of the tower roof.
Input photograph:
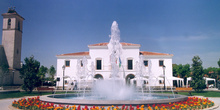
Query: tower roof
(11, 12)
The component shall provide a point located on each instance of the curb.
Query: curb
(212, 108)
(10, 107)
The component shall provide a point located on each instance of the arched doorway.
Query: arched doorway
(128, 78)
(98, 76)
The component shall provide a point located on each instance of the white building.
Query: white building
(130, 55)
(123, 61)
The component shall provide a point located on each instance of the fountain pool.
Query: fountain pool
(112, 91)
(141, 99)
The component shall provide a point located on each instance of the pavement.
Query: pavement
(5, 103)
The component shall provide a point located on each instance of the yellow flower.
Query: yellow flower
(149, 108)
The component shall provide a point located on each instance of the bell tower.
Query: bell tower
(12, 40)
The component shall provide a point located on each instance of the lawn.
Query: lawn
(207, 93)
(22, 94)
(19, 94)
(203, 93)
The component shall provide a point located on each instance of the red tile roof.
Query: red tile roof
(153, 53)
(122, 43)
(87, 53)
(75, 54)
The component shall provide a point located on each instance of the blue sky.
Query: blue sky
(184, 28)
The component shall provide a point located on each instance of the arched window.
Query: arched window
(128, 78)
(98, 76)
(9, 23)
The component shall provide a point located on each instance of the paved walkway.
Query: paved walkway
(4, 103)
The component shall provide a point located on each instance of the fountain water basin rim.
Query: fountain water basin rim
(57, 99)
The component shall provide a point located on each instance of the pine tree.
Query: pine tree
(29, 73)
(198, 83)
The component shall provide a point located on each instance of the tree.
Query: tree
(52, 72)
(212, 72)
(182, 71)
(42, 72)
(219, 63)
(198, 83)
(4, 71)
(218, 70)
(29, 73)
(175, 70)
(185, 72)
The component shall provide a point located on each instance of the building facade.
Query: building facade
(99, 55)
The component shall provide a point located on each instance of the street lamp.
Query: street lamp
(164, 67)
(63, 67)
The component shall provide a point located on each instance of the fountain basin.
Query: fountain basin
(65, 99)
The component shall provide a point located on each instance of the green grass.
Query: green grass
(22, 94)
(203, 93)
(207, 93)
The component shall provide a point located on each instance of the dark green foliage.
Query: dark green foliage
(198, 83)
(182, 71)
(175, 70)
(219, 63)
(4, 71)
(212, 72)
(42, 72)
(29, 74)
(52, 72)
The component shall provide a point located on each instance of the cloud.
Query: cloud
(209, 59)
(195, 37)
(183, 38)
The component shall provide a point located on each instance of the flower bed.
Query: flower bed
(192, 103)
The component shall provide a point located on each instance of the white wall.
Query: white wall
(104, 54)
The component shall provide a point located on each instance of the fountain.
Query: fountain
(113, 91)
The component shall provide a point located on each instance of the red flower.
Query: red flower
(78, 108)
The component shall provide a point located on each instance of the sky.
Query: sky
(184, 28)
